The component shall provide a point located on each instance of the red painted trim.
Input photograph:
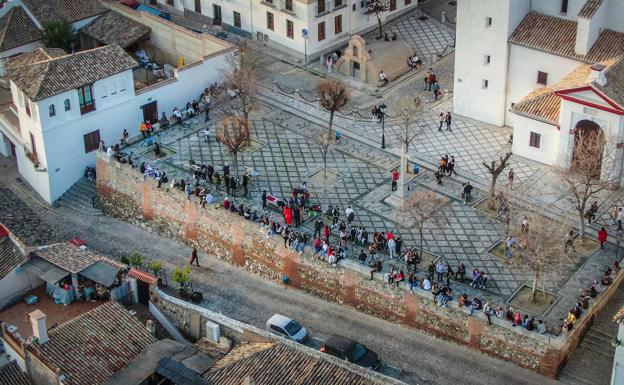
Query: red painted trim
(592, 105)
(590, 88)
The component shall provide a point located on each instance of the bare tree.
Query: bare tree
(541, 249)
(234, 134)
(495, 169)
(376, 7)
(505, 210)
(407, 110)
(333, 95)
(421, 208)
(585, 179)
(239, 98)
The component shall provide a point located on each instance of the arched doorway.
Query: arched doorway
(589, 142)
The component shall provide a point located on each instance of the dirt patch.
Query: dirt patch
(543, 300)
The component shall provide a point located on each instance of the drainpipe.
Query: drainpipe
(350, 11)
(251, 18)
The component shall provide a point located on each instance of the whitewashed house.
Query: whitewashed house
(547, 68)
(279, 23)
(64, 105)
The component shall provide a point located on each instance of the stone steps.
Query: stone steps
(598, 342)
(570, 379)
(80, 197)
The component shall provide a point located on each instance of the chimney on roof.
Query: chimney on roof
(248, 381)
(38, 322)
(598, 74)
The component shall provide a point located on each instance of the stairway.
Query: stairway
(80, 197)
(596, 343)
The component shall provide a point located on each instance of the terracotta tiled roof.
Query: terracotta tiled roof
(36, 56)
(213, 349)
(543, 104)
(11, 374)
(590, 8)
(10, 256)
(274, 363)
(558, 36)
(114, 28)
(45, 79)
(17, 29)
(92, 347)
(68, 257)
(142, 276)
(46, 11)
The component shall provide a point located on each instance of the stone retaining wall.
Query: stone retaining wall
(124, 194)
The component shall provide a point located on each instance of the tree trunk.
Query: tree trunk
(492, 192)
(235, 164)
(581, 213)
(534, 286)
(420, 232)
(331, 123)
(325, 174)
(380, 29)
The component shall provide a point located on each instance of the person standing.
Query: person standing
(395, 179)
(226, 171)
(264, 199)
(335, 215)
(245, 183)
(318, 225)
(350, 213)
(194, 257)
(467, 192)
(436, 90)
(510, 178)
(427, 80)
(441, 121)
(207, 134)
(330, 64)
(432, 79)
(383, 78)
(602, 237)
(447, 119)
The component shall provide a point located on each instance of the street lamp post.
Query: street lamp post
(383, 125)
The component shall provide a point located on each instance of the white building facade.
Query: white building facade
(59, 135)
(280, 23)
(546, 68)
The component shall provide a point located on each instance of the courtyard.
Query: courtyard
(286, 129)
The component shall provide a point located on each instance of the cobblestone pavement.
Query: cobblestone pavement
(425, 35)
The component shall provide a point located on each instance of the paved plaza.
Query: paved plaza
(286, 132)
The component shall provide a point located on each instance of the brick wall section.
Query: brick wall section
(124, 194)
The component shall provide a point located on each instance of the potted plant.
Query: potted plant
(124, 260)
(157, 266)
(181, 276)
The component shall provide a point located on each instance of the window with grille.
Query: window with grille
(542, 78)
(290, 29)
(270, 21)
(392, 5)
(288, 5)
(320, 7)
(198, 6)
(85, 99)
(52, 110)
(535, 140)
(321, 31)
(338, 24)
(237, 19)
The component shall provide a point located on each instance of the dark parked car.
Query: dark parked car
(352, 351)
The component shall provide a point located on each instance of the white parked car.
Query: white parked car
(287, 327)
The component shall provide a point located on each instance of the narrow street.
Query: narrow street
(408, 355)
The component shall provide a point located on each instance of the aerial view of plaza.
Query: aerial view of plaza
(311, 192)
